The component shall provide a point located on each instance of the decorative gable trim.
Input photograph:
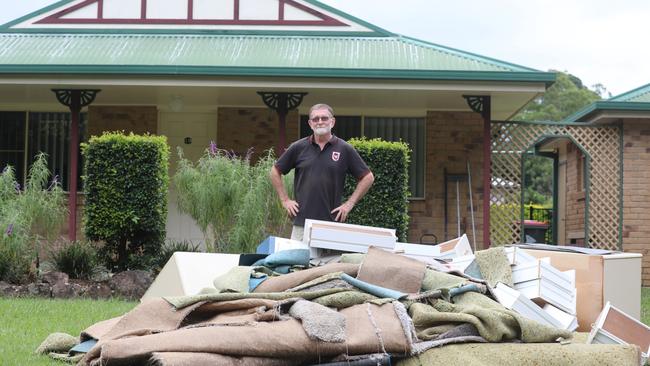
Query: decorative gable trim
(66, 16)
(232, 16)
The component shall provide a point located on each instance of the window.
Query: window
(12, 142)
(408, 129)
(23, 135)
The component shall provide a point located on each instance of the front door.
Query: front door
(192, 132)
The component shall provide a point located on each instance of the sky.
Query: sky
(599, 41)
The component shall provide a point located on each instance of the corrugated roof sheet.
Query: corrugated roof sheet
(377, 53)
(634, 100)
(638, 95)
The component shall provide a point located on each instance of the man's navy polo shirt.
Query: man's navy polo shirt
(320, 175)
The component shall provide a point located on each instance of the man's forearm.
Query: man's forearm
(276, 180)
(362, 187)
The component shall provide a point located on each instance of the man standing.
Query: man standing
(322, 161)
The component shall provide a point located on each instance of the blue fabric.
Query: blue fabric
(378, 291)
(254, 282)
(290, 257)
(282, 269)
(463, 289)
(83, 347)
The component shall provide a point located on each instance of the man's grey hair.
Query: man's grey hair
(321, 106)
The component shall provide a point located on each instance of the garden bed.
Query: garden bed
(127, 285)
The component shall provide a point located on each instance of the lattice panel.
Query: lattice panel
(602, 144)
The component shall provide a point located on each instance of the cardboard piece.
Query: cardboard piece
(600, 278)
(188, 273)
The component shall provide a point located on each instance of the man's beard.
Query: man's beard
(322, 130)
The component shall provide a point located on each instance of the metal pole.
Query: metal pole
(445, 208)
(471, 204)
(457, 208)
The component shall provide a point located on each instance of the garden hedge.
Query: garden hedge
(386, 203)
(126, 183)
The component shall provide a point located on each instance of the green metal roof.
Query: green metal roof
(636, 100)
(377, 57)
(376, 54)
(640, 94)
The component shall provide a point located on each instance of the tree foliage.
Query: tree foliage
(538, 180)
(567, 96)
(386, 203)
(126, 196)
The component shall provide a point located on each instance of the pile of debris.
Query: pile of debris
(348, 295)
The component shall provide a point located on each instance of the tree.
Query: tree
(567, 96)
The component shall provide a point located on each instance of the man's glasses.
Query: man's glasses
(321, 118)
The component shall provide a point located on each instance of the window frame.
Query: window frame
(363, 118)
(28, 158)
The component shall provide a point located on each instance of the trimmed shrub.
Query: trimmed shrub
(386, 203)
(126, 183)
(78, 259)
(28, 216)
(15, 261)
(232, 200)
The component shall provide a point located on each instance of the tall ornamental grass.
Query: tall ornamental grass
(28, 216)
(231, 199)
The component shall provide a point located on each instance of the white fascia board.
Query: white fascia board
(311, 84)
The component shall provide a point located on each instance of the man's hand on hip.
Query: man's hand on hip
(291, 206)
(343, 211)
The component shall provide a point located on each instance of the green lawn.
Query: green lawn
(25, 323)
(645, 305)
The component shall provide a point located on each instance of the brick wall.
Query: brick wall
(241, 128)
(636, 191)
(136, 119)
(575, 197)
(452, 139)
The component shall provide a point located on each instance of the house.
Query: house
(630, 114)
(245, 72)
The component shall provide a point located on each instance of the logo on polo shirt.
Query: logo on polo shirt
(336, 155)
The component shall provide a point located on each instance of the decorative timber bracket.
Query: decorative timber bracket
(78, 98)
(75, 99)
(282, 103)
(479, 104)
(482, 104)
